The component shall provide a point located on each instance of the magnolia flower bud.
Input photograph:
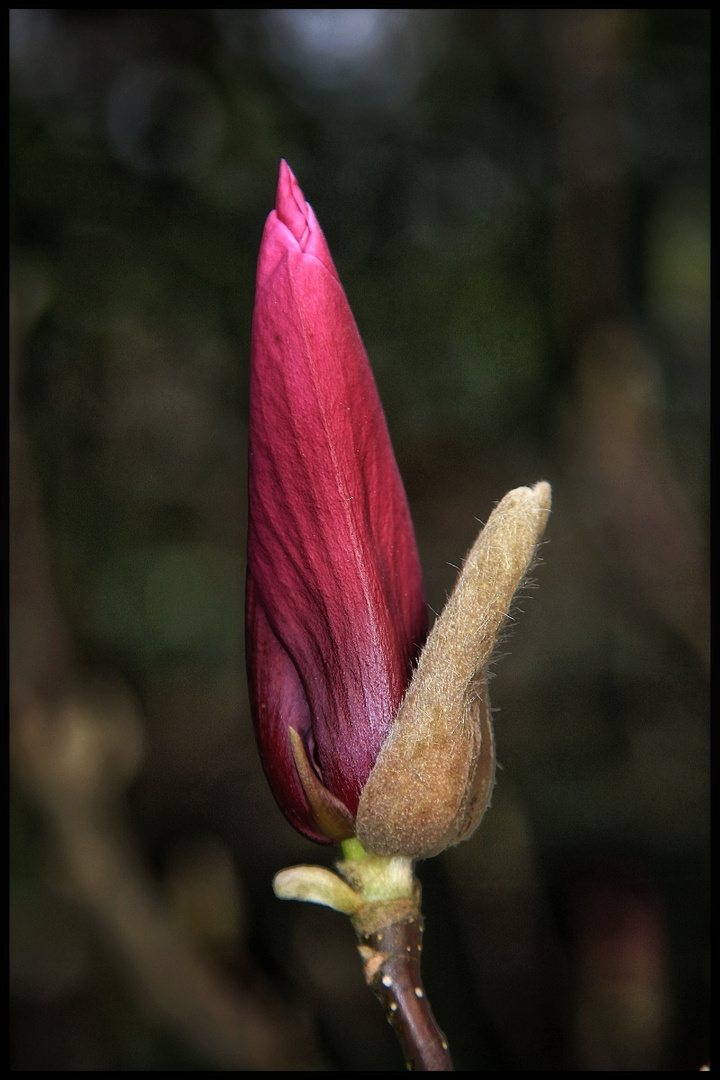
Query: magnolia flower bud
(336, 611)
(434, 775)
(391, 764)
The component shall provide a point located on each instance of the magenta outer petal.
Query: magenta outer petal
(277, 694)
(335, 604)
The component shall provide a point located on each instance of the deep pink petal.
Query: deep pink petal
(332, 562)
(278, 694)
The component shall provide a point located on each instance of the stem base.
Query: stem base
(391, 957)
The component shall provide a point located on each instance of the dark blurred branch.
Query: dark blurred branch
(655, 536)
(650, 523)
(41, 656)
(586, 56)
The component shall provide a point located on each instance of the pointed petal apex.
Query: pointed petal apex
(290, 205)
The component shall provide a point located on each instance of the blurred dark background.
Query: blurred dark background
(518, 205)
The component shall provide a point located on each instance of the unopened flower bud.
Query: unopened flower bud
(336, 610)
